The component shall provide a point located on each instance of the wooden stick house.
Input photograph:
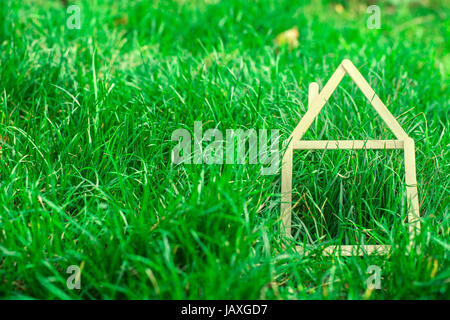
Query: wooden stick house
(316, 101)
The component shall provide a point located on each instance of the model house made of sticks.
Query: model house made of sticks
(316, 101)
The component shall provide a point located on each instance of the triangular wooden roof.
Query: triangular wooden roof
(319, 100)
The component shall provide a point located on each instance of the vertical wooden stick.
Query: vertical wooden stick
(313, 91)
(286, 190)
(411, 187)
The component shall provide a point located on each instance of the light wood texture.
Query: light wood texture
(411, 187)
(359, 80)
(347, 144)
(316, 101)
(375, 101)
(313, 91)
(286, 190)
(349, 250)
(317, 104)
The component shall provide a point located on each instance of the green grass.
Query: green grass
(86, 118)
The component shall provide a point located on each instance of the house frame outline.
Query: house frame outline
(316, 102)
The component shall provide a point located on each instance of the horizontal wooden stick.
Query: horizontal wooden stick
(349, 250)
(347, 144)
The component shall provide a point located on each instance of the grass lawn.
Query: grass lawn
(86, 177)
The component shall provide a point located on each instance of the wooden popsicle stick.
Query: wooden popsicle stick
(332, 83)
(347, 144)
(375, 101)
(411, 187)
(357, 77)
(317, 104)
(286, 191)
(388, 118)
(313, 91)
(349, 250)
